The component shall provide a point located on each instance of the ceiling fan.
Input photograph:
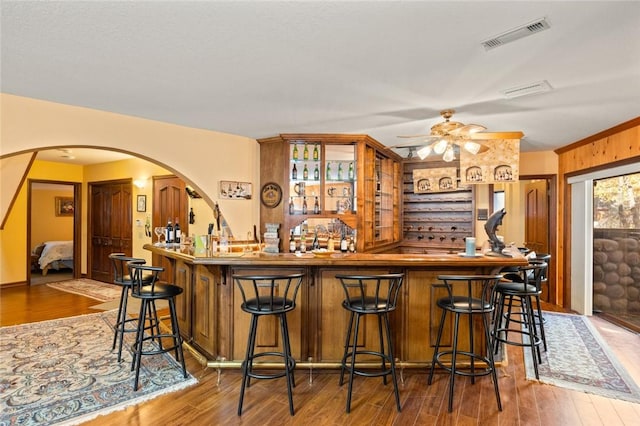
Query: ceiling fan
(446, 135)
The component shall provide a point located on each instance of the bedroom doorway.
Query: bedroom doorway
(52, 231)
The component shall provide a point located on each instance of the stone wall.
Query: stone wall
(616, 275)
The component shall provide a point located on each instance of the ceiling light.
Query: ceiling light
(472, 147)
(449, 155)
(424, 152)
(440, 146)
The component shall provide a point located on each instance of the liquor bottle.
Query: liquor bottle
(303, 242)
(316, 207)
(316, 173)
(316, 244)
(352, 245)
(331, 244)
(294, 173)
(304, 205)
(305, 173)
(295, 152)
(169, 236)
(292, 243)
(351, 174)
(291, 206)
(177, 232)
(305, 153)
(328, 171)
(344, 245)
(316, 155)
(339, 171)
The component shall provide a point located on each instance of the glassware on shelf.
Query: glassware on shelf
(159, 231)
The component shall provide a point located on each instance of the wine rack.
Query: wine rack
(435, 222)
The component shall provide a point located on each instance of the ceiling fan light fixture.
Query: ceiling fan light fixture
(449, 155)
(440, 146)
(424, 152)
(472, 147)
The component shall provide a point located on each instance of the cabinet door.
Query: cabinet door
(268, 337)
(182, 278)
(334, 319)
(206, 281)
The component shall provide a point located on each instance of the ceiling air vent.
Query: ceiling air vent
(516, 33)
(527, 89)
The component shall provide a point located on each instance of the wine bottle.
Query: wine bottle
(177, 232)
(295, 151)
(305, 153)
(294, 173)
(316, 155)
(169, 236)
(316, 207)
(339, 171)
(344, 245)
(303, 242)
(292, 243)
(328, 171)
(316, 173)
(305, 173)
(304, 205)
(351, 174)
(291, 206)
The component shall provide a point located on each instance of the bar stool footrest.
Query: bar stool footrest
(536, 340)
(478, 371)
(369, 372)
(291, 365)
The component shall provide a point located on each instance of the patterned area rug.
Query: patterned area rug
(64, 372)
(577, 358)
(85, 287)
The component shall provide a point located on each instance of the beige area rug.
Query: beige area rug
(97, 290)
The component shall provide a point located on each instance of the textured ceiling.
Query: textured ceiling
(381, 68)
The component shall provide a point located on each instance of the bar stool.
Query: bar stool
(370, 295)
(523, 288)
(268, 295)
(122, 278)
(148, 294)
(474, 299)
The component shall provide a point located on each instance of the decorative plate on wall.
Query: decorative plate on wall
(271, 194)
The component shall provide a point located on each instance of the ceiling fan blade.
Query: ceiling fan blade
(467, 129)
(495, 135)
(414, 136)
(409, 144)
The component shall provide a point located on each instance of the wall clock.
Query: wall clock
(271, 194)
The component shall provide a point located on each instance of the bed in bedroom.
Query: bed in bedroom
(55, 255)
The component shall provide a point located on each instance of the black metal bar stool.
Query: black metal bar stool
(122, 278)
(370, 295)
(472, 299)
(148, 294)
(268, 295)
(524, 288)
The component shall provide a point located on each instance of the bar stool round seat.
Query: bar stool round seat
(268, 295)
(122, 277)
(524, 289)
(468, 295)
(370, 295)
(151, 343)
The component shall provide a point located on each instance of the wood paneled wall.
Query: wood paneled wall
(613, 147)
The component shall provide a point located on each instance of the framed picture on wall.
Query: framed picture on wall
(64, 206)
(142, 203)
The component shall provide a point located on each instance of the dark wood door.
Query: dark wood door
(169, 202)
(110, 212)
(536, 231)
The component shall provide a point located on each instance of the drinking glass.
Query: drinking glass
(159, 231)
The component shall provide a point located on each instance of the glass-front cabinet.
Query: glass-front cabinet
(328, 181)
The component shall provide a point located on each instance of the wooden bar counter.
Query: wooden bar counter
(214, 326)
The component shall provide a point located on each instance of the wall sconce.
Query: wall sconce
(140, 183)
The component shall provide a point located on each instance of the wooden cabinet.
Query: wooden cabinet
(437, 221)
(338, 175)
(206, 282)
(182, 278)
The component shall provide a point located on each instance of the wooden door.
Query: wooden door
(536, 232)
(169, 202)
(110, 213)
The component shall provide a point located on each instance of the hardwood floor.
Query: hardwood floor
(322, 402)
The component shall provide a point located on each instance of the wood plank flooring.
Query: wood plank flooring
(322, 401)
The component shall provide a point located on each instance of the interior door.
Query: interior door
(536, 231)
(169, 202)
(110, 213)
